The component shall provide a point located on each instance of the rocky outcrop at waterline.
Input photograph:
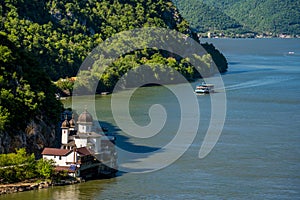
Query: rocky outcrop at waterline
(22, 187)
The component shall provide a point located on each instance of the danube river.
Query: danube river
(257, 155)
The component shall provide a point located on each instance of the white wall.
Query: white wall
(61, 160)
(80, 142)
(64, 136)
(84, 128)
(97, 145)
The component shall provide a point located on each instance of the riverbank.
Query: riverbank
(217, 34)
(27, 186)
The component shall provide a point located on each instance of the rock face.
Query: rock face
(34, 138)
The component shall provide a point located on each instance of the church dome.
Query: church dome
(85, 118)
(65, 124)
(72, 122)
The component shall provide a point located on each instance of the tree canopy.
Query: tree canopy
(242, 16)
(60, 34)
(20, 166)
(26, 92)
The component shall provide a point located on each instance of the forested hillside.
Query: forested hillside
(29, 111)
(62, 33)
(43, 41)
(270, 17)
(204, 17)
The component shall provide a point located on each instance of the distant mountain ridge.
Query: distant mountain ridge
(264, 17)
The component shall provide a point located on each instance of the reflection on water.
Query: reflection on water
(87, 190)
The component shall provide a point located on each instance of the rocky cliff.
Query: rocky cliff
(37, 135)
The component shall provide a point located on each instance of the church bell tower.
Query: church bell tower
(65, 131)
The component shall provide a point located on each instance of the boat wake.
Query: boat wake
(255, 83)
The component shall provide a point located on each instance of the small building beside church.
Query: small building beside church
(84, 152)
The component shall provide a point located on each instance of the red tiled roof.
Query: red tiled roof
(84, 151)
(56, 152)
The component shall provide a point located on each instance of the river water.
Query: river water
(257, 155)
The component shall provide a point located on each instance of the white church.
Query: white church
(84, 152)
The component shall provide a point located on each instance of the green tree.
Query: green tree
(45, 168)
(15, 167)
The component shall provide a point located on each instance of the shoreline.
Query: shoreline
(227, 37)
(27, 186)
(246, 35)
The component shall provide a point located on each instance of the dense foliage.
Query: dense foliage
(46, 41)
(19, 166)
(240, 16)
(62, 33)
(25, 91)
(204, 18)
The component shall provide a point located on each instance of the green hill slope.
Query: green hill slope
(61, 33)
(270, 17)
(204, 17)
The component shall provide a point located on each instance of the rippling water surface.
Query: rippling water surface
(257, 155)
